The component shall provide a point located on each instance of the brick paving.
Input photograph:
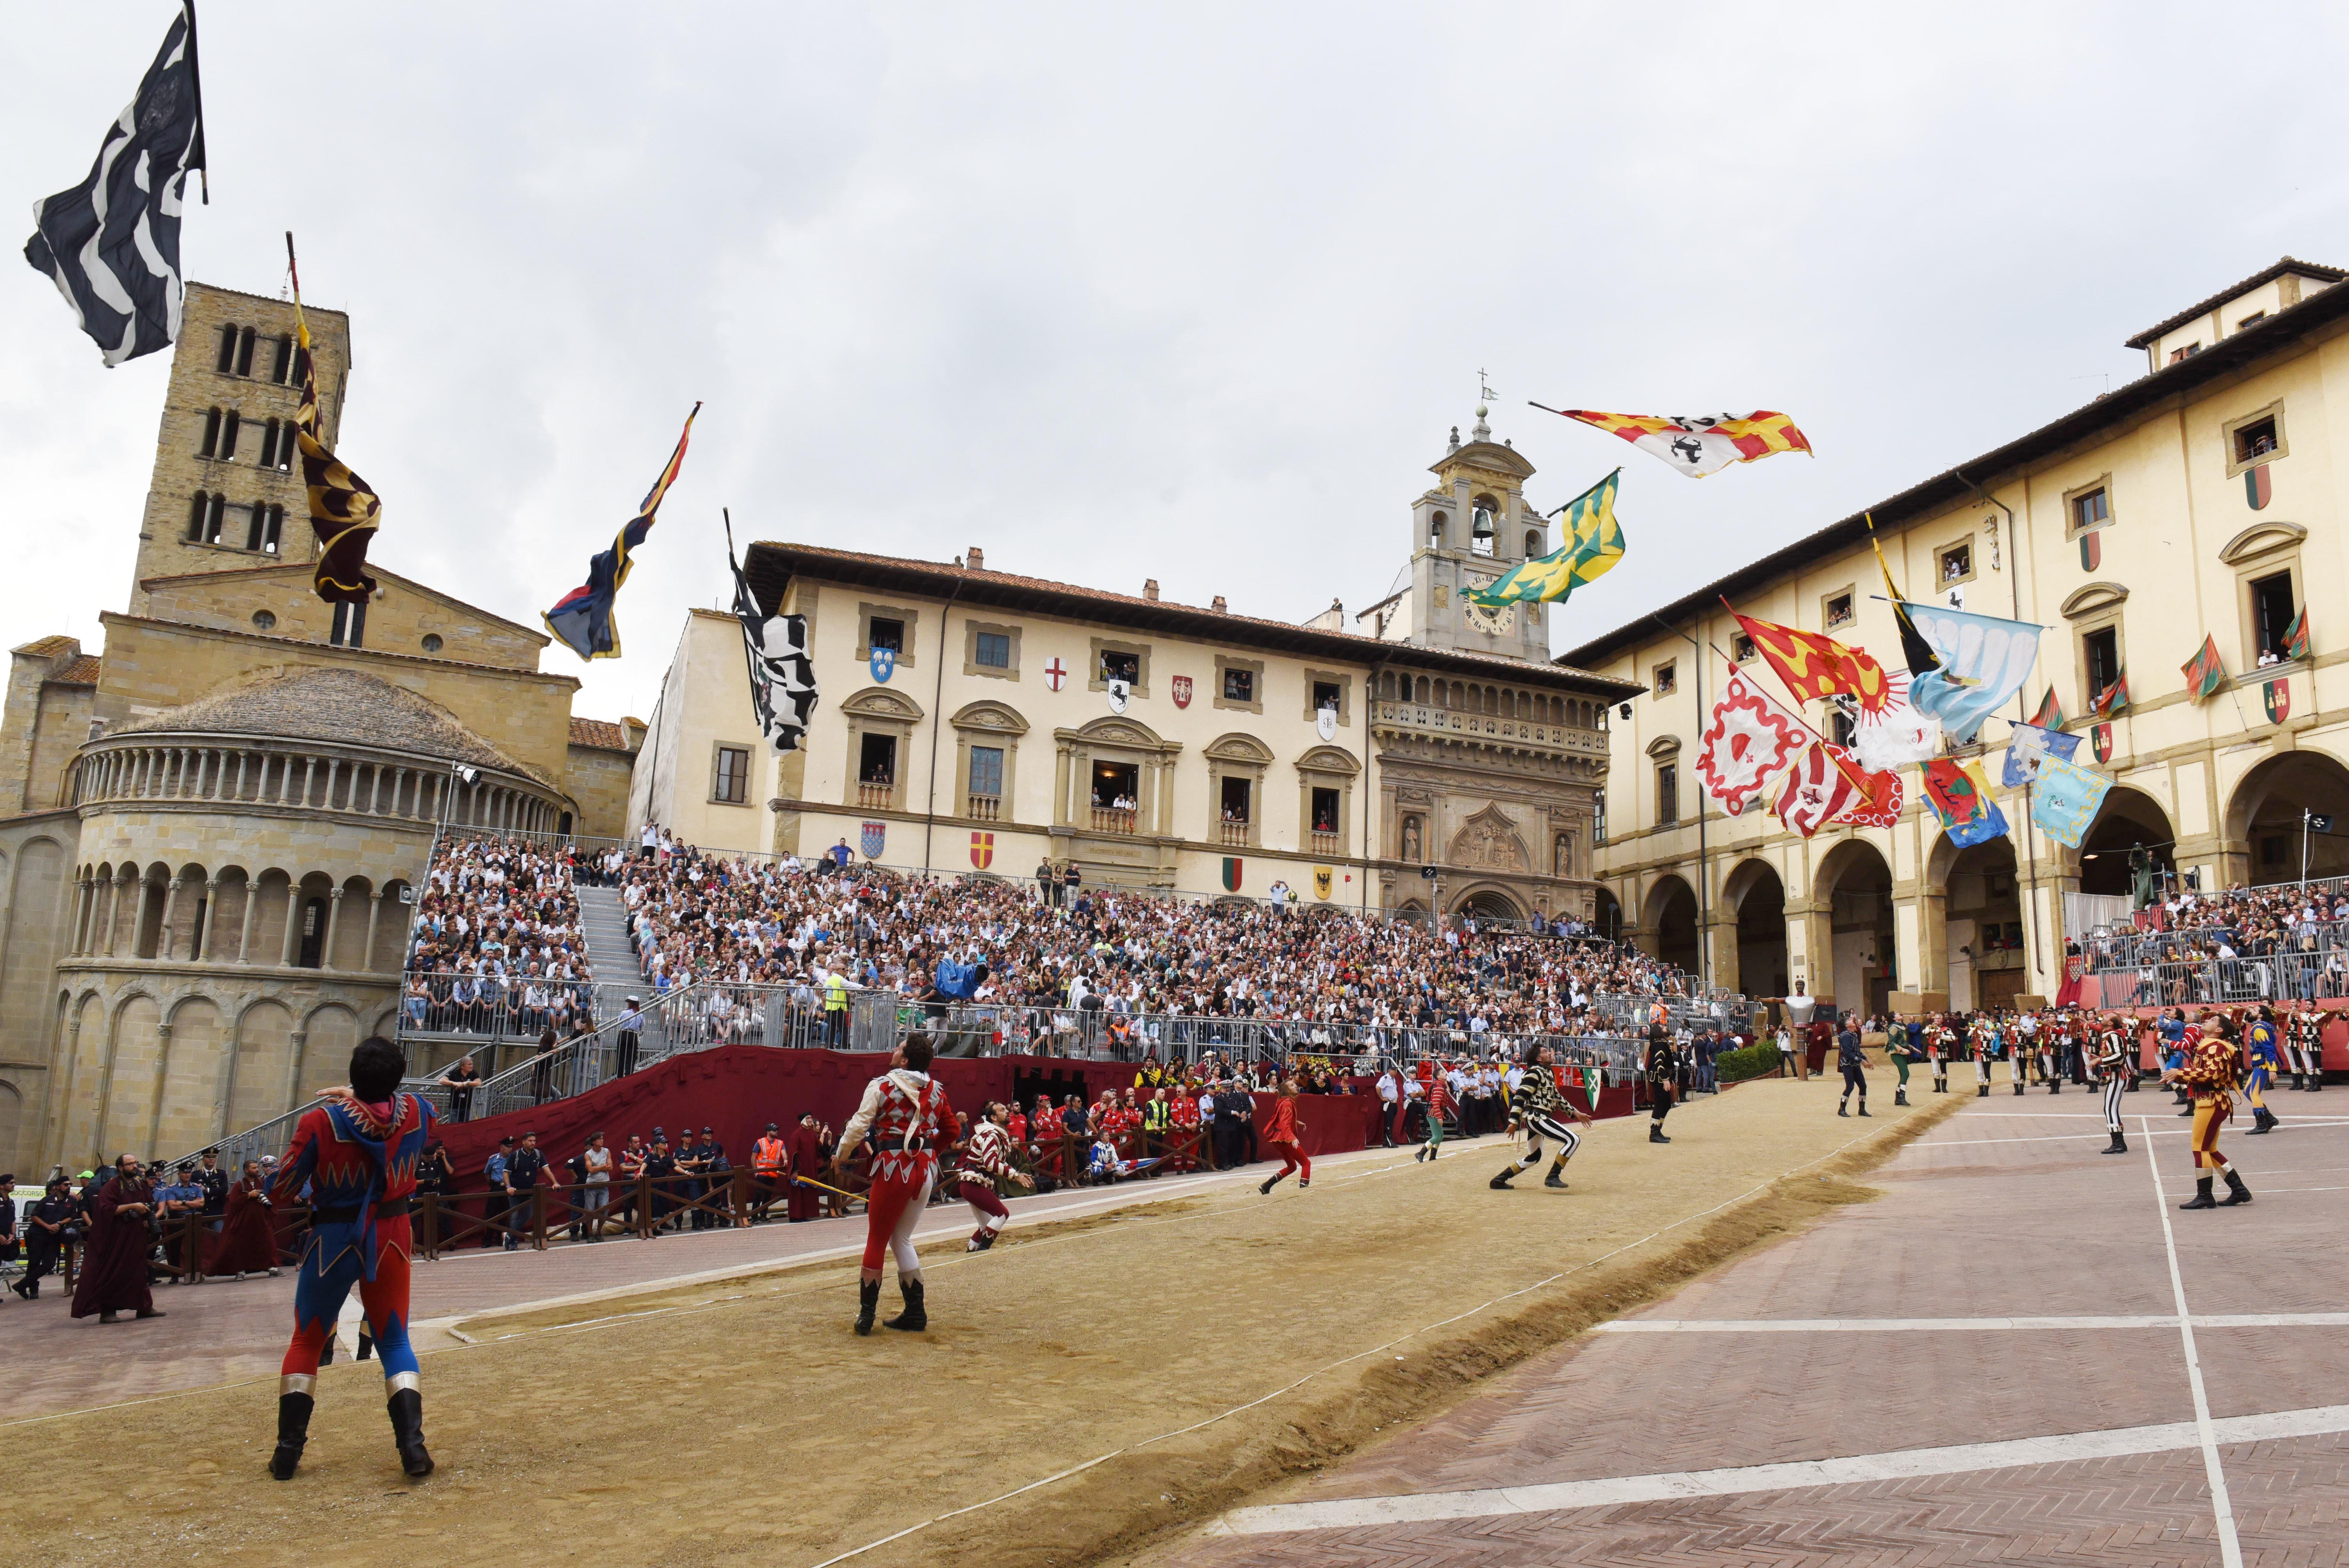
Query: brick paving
(2006, 1209)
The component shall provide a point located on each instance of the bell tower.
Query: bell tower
(1467, 531)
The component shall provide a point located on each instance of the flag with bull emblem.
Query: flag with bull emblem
(111, 243)
(1698, 444)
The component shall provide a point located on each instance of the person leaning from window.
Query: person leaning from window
(461, 1081)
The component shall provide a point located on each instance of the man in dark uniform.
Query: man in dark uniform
(1235, 1110)
(47, 1223)
(1854, 1062)
(1663, 1076)
(214, 1181)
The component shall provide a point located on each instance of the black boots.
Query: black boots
(1500, 1183)
(2119, 1145)
(2298, 1083)
(1863, 1104)
(1900, 1097)
(1554, 1179)
(292, 1432)
(2236, 1191)
(2263, 1119)
(1982, 1092)
(868, 1302)
(1843, 1107)
(915, 1318)
(2201, 1199)
(406, 1410)
(1656, 1133)
(980, 1240)
(1268, 1183)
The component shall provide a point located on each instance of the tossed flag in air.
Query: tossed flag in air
(1749, 742)
(782, 675)
(1984, 662)
(1914, 649)
(2029, 745)
(2067, 800)
(111, 243)
(2112, 700)
(1960, 797)
(1594, 544)
(2295, 637)
(1877, 800)
(582, 619)
(343, 510)
(2051, 712)
(1814, 665)
(1698, 444)
(2204, 673)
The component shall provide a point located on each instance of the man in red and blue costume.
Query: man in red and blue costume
(358, 1150)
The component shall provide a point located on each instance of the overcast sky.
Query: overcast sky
(1118, 292)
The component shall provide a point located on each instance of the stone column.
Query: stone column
(170, 908)
(1726, 971)
(205, 950)
(1810, 947)
(334, 921)
(244, 921)
(113, 910)
(1059, 783)
(375, 914)
(293, 923)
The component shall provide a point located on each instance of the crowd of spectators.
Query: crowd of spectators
(497, 946)
(2273, 942)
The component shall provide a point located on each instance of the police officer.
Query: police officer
(49, 1224)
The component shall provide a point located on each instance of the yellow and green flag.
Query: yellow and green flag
(1594, 544)
(2204, 673)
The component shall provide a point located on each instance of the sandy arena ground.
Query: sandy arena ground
(1141, 1371)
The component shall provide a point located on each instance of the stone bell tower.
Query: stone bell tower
(1466, 533)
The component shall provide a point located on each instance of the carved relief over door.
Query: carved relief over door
(1489, 842)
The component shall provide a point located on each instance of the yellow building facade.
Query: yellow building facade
(2202, 499)
(1435, 760)
(209, 828)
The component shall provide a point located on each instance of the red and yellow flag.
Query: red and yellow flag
(1814, 665)
(1698, 444)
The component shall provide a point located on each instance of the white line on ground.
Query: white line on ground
(1963, 1324)
(2222, 1507)
(1904, 1464)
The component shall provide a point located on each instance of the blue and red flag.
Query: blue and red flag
(582, 619)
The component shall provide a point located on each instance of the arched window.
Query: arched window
(281, 365)
(1386, 685)
(262, 533)
(1491, 700)
(1443, 694)
(1419, 686)
(196, 517)
(204, 515)
(1533, 542)
(244, 352)
(1484, 522)
(211, 434)
(227, 361)
(1435, 523)
(227, 436)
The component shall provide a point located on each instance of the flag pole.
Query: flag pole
(196, 85)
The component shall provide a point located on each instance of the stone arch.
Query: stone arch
(86, 1039)
(1607, 914)
(194, 1077)
(1975, 926)
(133, 1072)
(37, 908)
(1756, 896)
(2264, 823)
(1668, 922)
(2126, 818)
(352, 924)
(1854, 959)
(1237, 806)
(261, 1068)
(328, 1033)
(262, 933)
(390, 950)
(1488, 902)
(12, 1153)
(882, 703)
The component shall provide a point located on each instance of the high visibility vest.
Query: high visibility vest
(767, 1155)
(835, 994)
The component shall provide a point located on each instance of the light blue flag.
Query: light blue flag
(2027, 745)
(1982, 830)
(2067, 800)
(1984, 662)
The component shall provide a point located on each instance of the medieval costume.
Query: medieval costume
(114, 1254)
(906, 1115)
(247, 1242)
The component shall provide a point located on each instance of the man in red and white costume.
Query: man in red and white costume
(906, 1117)
(987, 1159)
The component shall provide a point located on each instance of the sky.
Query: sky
(1187, 292)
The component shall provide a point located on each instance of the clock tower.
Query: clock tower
(1474, 526)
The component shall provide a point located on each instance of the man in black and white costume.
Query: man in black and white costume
(1540, 1107)
(2114, 1069)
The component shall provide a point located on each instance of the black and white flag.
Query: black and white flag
(111, 243)
(782, 673)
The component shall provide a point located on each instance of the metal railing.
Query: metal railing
(2289, 976)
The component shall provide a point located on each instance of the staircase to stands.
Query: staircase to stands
(604, 920)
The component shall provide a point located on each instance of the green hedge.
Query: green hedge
(1757, 1060)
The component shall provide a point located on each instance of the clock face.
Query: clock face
(1495, 623)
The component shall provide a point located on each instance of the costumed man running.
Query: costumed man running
(2209, 1075)
(906, 1115)
(1282, 1132)
(2263, 1046)
(357, 1151)
(2117, 1071)
(987, 1159)
(1541, 1108)
(1663, 1072)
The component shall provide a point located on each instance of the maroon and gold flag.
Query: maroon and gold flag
(342, 509)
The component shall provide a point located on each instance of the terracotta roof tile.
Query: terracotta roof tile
(83, 671)
(599, 733)
(349, 707)
(48, 648)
